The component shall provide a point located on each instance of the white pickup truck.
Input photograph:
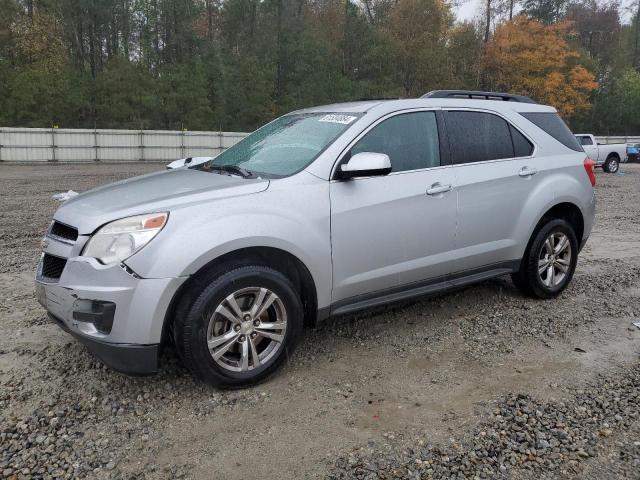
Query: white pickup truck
(606, 156)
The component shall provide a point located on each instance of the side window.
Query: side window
(410, 140)
(521, 146)
(478, 136)
(586, 141)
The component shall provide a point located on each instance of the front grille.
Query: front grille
(63, 231)
(52, 266)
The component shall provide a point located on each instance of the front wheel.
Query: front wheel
(550, 260)
(241, 327)
(611, 165)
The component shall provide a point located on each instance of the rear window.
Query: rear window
(552, 124)
(584, 140)
(477, 137)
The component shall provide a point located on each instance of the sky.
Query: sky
(469, 9)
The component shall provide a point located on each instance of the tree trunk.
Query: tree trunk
(367, 5)
(92, 50)
(487, 26)
(209, 8)
(636, 45)
(126, 33)
(280, 55)
(346, 60)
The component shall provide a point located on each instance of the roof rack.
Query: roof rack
(477, 95)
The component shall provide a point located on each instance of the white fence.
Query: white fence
(617, 139)
(75, 145)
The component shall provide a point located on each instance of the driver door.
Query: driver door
(387, 232)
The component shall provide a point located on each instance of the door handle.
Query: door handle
(527, 172)
(437, 188)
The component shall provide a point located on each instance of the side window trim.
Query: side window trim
(444, 110)
(344, 154)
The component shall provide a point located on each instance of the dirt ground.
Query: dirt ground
(434, 369)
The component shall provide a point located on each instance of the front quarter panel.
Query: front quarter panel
(292, 215)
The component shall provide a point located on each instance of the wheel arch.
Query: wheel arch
(567, 211)
(280, 260)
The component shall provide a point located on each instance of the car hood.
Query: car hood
(154, 192)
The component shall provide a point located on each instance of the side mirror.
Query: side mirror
(365, 164)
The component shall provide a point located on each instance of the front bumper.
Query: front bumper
(124, 358)
(116, 314)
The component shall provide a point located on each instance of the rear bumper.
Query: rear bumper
(588, 216)
(125, 358)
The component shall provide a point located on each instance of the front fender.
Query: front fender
(294, 219)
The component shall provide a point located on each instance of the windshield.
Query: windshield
(284, 146)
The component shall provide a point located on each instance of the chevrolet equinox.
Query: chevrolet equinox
(322, 212)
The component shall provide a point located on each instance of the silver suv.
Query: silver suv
(321, 212)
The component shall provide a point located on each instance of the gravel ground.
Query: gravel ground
(481, 382)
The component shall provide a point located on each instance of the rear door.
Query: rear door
(391, 231)
(495, 172)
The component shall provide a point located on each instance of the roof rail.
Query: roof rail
(477, 95)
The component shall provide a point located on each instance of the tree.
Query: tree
(416, 32)
(235, 64)
(44, 89)
(596, 27)
(126, 96)
(545, 11)
(183, 97)
(464, 53)
(615, 110)
(525, 56)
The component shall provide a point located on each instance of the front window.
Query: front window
(284, 146)
(409, 139)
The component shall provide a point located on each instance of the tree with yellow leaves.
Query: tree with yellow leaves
(527, 57)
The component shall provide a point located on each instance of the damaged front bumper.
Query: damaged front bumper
(115, 313)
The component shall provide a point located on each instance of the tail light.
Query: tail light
(589, 165)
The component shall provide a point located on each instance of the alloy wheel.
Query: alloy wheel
(247, 329)
(554, 260)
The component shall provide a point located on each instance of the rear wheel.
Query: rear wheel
(241, 327)
(550, 260)
(611, 165)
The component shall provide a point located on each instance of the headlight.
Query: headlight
(122, 238)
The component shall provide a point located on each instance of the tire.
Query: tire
(539, 283)
(210, 320)
(612, 165)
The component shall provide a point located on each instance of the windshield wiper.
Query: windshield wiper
(244, 173)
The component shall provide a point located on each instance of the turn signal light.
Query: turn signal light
(589, 165)
(155, 222)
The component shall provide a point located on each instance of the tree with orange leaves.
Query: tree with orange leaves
(527, 57)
